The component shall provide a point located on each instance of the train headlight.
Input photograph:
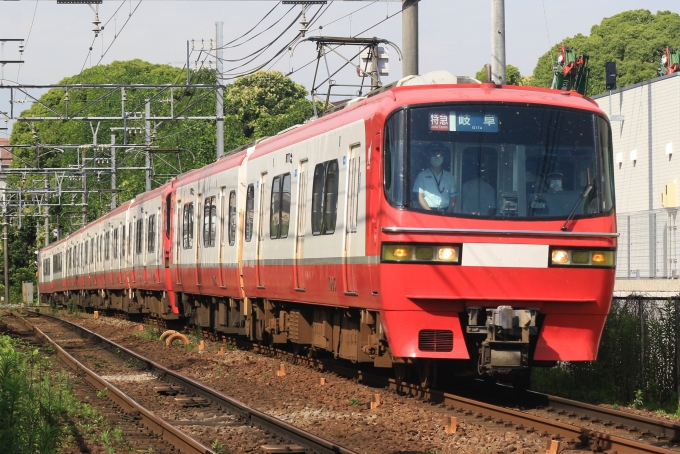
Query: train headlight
(449, 254)
(420, 253)
(560, 257)
(581, 257)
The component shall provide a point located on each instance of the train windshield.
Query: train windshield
(499, 161)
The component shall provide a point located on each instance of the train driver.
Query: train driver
(435, 186)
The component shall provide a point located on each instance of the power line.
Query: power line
(118, 33)
(29, 36)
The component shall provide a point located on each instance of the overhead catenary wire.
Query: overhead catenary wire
(28, 37)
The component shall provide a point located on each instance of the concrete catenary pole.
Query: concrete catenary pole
(409, 40)
(147, 142)
(498, 42)
(113, 172)
(219, 97)
(47, 219)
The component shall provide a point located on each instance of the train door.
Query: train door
(300, 226)
(224, 218)
(260, 233)
(179, 231)
(351, 214)
(199, 237)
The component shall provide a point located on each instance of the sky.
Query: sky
(455, 35)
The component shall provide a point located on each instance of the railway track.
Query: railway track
(656, 434)
(280, 436)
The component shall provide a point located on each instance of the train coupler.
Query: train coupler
(508, 334)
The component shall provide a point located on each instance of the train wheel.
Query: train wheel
(401, 372)
(426, 372)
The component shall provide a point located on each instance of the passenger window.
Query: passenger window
(46, 267)
(151, 234)
(275, 212)
(209, 222)
(285, 206)
(317, 198)
(107, 240)
(115, 243)
(168, 212)
(250, 211)
(129, 241)
(122, 243)
(92, 251)
(325, 198)
(139, 237)
(188, 226)
(232, 218)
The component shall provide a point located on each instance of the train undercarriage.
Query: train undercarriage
(500, 340)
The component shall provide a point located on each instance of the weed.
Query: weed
(615, 406)
(190, 347)
(130, 363)
(266, 375)
(231, 346)
(100, 365)
(354, 402)
(218, 447)
(72, 308)
(118, 353)
(103, 393)
(638, 401)
(218, 371)
(150, 333)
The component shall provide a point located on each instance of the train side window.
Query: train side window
(92, 245)
(317, 198)
(168, 213)
(115, 243)
(122, 242)
(331, 198)
(139, 236)
(46, 267)
(209, 222)
(285, 205)
(250, 211)
(151, 234)
(188, 226)
(107, 242)
(57, 263)
(275, 211)
(232, 218)
(129, 240)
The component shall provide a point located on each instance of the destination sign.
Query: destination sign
(463, 122)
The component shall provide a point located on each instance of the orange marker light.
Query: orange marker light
(400, 252)
(598, 257)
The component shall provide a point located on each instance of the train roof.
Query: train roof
(390, 98)
(228, 162)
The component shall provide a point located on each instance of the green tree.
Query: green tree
(633, 39)
(512, 75)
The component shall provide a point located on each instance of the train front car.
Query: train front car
(497, 232)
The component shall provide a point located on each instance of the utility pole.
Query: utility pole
(84, 180)
(3, 184)
(113, 172)
(147, 112)
(47, 216)
(498, 42)
(219, 100)
(409, 33)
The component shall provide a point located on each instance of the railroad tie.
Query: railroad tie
(553, 447)
(451, 425)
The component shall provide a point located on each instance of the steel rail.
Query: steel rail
(598, 441)
(657, 427)
(183, 442)
(255, 417)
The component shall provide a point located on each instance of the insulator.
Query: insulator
(202, 45)
(211, 44)
(96, 23)
(192, 44)
(21, 47)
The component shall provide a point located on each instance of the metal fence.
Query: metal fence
(648, 246)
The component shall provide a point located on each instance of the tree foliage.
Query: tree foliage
(633, 39)
(512, 75)
(255, 106)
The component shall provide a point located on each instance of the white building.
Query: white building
(647, 177)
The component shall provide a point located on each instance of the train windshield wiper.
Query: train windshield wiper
(583, 195)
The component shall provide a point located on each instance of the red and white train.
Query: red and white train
(437, 221)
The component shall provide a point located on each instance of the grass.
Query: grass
(218, 447)
(354, 402)
(150, 333)
(38, 412)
